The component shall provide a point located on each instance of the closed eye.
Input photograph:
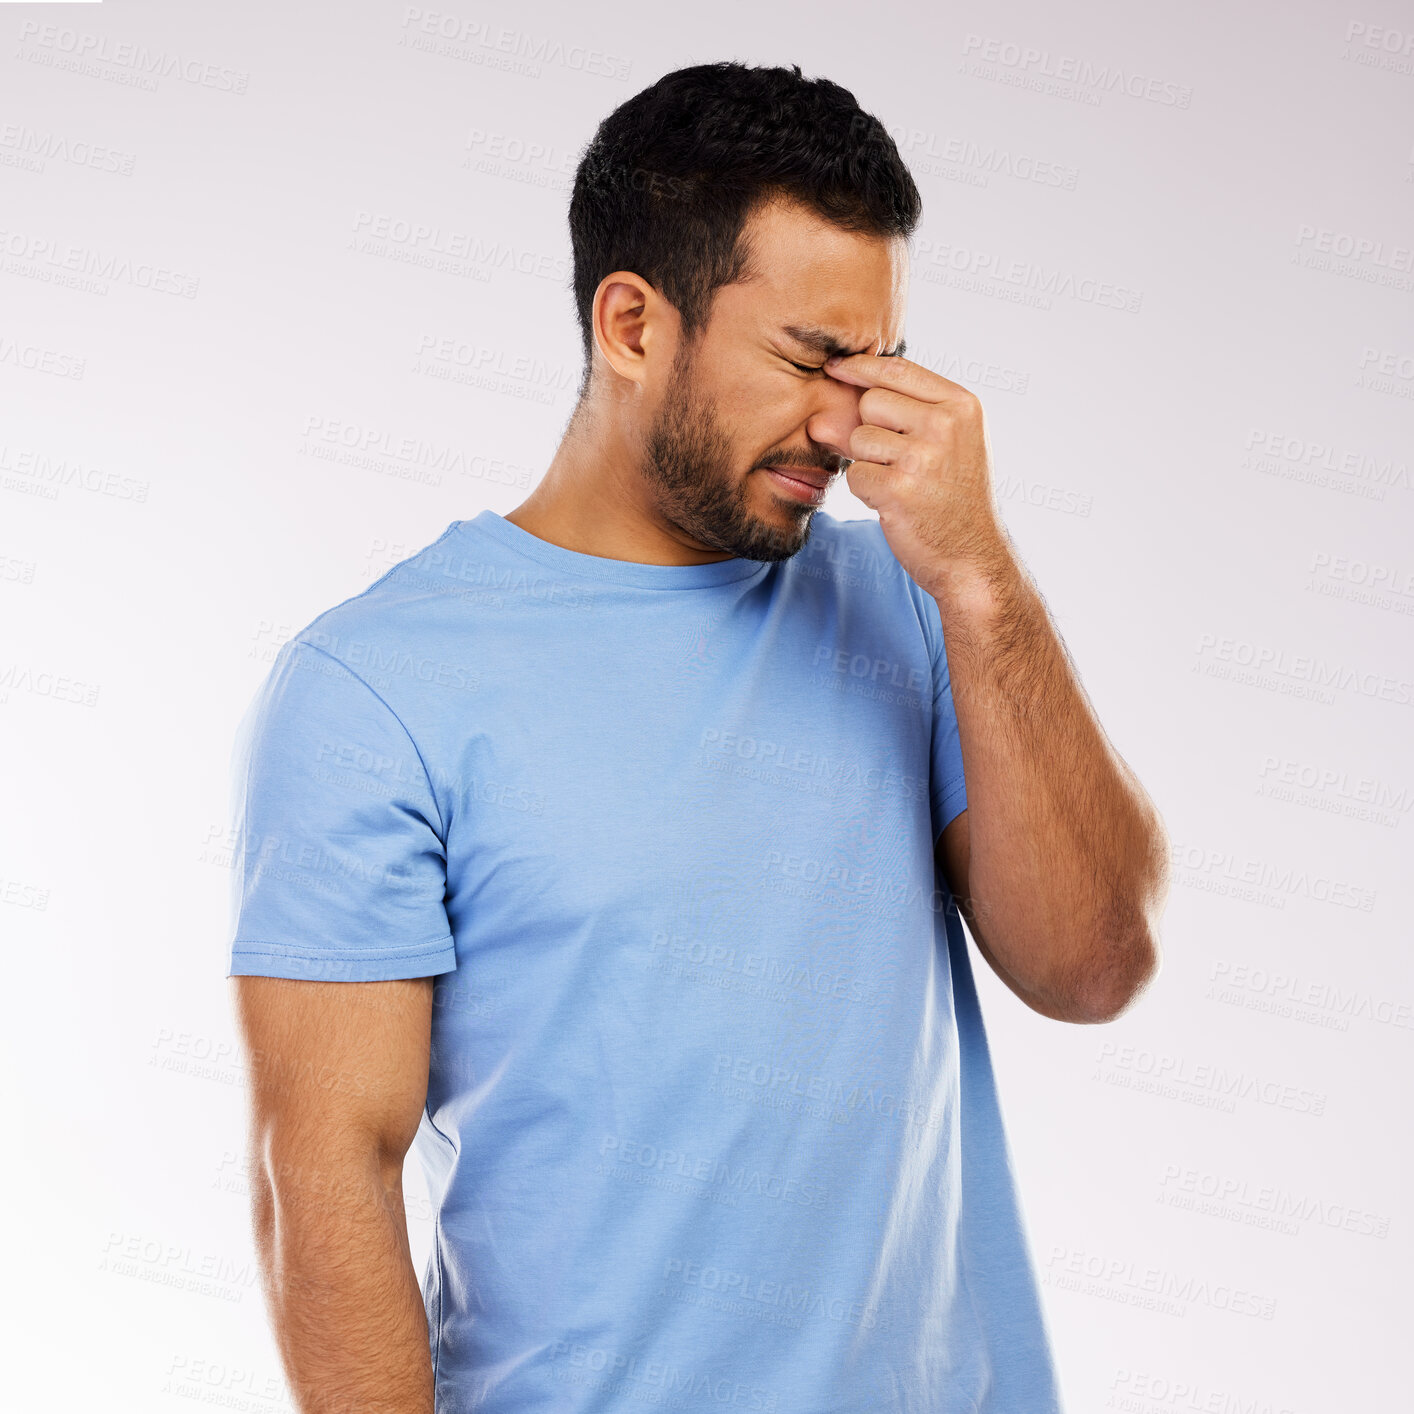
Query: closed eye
(805, 367)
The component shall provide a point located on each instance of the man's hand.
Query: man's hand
(1066, 858)
(923, 462)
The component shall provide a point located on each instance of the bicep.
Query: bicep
(335, 1066)
(952, 854)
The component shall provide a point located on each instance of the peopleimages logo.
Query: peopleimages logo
(452, 37)
(1281, 880)
(710, 1169)
(1297, 674)
(784, 762)
(61, 262)
(748, 1290)
(135, 65)
(1029, 66)
(657, 1381)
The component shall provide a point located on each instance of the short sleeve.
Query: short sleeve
(339, 867)
(949, 787)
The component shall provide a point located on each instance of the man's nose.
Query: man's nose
(836, 416)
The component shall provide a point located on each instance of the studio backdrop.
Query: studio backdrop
(284, 290)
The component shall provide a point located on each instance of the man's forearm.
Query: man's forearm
(343, 1293)
(1068, 858)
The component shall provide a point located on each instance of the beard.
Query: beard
(688, 464)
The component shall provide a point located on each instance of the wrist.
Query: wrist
(977, 588)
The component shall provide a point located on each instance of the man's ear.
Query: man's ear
(635, 328)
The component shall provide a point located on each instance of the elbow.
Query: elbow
(1119, 986)
(1132, 961)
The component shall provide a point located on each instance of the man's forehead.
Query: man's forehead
(825, 289)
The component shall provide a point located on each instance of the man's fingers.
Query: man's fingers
(882, 407)
(864, 480)
(877, 444)
(911, 379)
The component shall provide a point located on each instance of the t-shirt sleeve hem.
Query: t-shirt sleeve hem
(261, 959)
(949, 803)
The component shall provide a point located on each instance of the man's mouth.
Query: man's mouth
(811, 476)
(805, 485)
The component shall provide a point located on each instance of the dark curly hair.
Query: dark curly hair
(670, 177)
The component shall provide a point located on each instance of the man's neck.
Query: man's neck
(593, 500)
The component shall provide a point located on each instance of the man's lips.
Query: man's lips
(812, 476)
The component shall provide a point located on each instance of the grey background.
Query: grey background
(284, 291)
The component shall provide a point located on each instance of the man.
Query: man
(614, 849)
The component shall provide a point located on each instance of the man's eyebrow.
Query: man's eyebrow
(824, 342)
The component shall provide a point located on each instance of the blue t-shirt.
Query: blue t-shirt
(711, 1119)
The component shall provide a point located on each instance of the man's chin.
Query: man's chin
(780, 538)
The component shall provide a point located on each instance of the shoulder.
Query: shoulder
(851, 557)
(402, 613)
(849, 548)
(855, 555)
